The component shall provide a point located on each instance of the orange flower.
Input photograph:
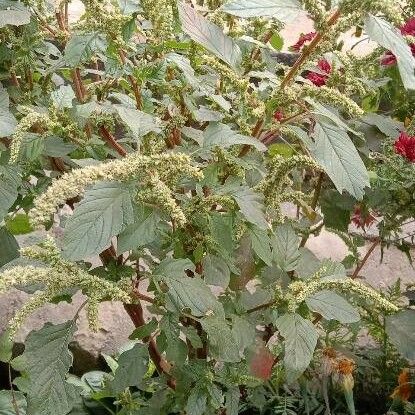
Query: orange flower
(404, 390)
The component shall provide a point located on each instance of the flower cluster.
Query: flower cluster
(405, 146)
(169, 167)
(320, 78)
(301, 42)
(301, 290)
(362, 218)
(55, 280)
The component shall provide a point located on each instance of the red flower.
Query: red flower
(304, 37)
(405, 146)
(408, 29)
(362, 218)
(278, 115)
(319, 79)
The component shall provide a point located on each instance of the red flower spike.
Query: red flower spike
(302, 40)
(405, 146)
(320, 79)
(362, 219)
(278, 115)
(408, 29)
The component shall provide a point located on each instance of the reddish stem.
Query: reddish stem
(110, 139)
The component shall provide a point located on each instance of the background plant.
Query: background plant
(159, 144)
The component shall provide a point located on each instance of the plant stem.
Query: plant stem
(375, 243)
(14, 400)
(308, 50)
(314, 202)
(110, 139)
(133, 82)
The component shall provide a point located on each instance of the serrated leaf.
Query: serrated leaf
(9, 247)
(283, 10)
(332, 307)
(285, 244)
(251, 205)
(105, 209)
(383, 33)
(80, 48)
(261, 244)
(300, 341)
(6, 403)
(232, 401)
(336, 153)
(62, 97)
(186, 292)
(139, 122)
(216, 271)
(209, 35)
(223, 343)
(141, 232)
(197, 401)
(132, 366)
(221, 135)
(192, 293)
(400, 328)
(13, 13)
(46, 362)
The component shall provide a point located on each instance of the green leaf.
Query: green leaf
(300, 341)
(383, 33)
(223, 343)
(6, 347)
(174, 346)
(141, 232)
(283, 10)
(285, 244)
(63, 97)
(232, 401)
(6, 403)
(209, 35)
(335, 151)
(104, 211)
(332, 307)
(129, 6)
(216, 271)
(132, 366)
(261, 244)
(144, 331)
(400, 328)
(243, 331)
(56, 147)
(13, 13)
(277, 42)
(9, 183)
(197, 402)
(221, 135)
(82, 47)
(19, 224)
(386, 125)
(186, 292)
(9, 247)
(139, 122)
(251, 205)
(46, 362)
(8, 122)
